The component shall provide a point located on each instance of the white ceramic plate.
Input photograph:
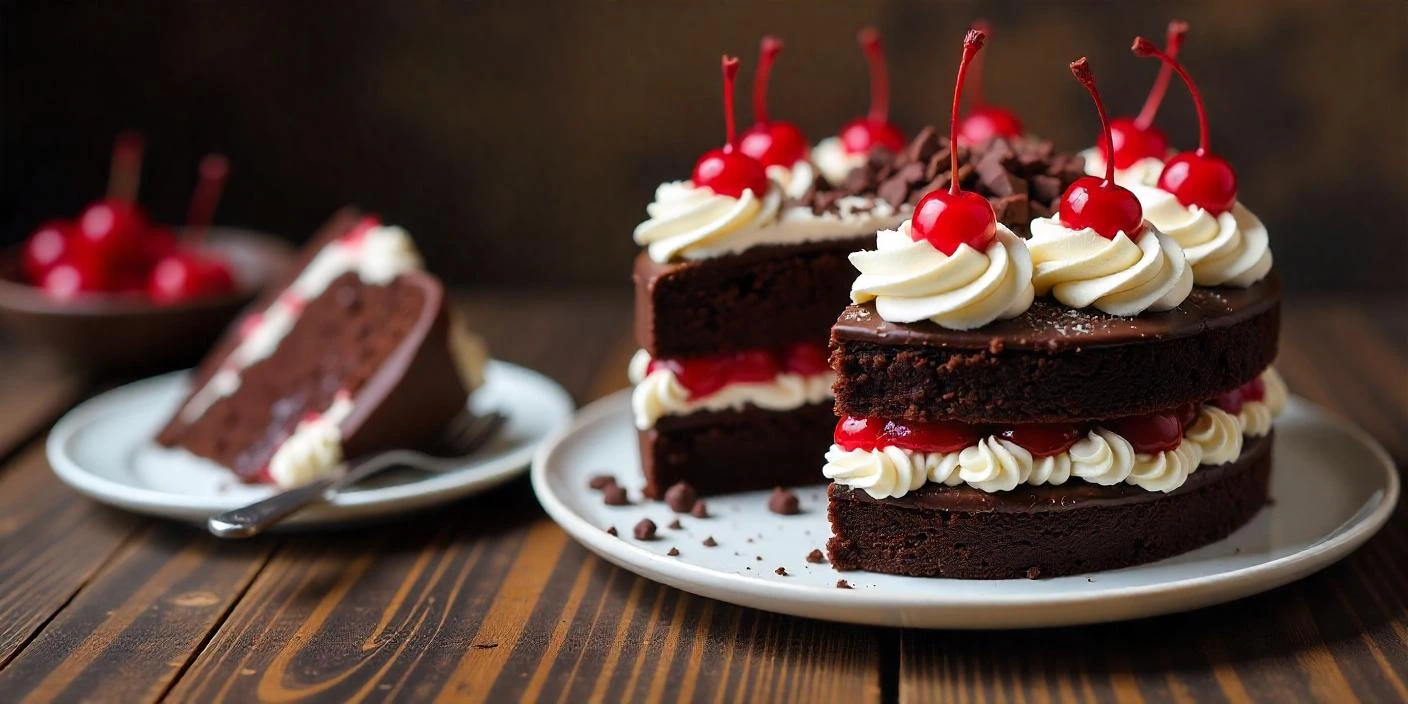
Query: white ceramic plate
(103, 448)
(1333, 488)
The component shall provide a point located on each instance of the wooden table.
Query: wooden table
(488, 599)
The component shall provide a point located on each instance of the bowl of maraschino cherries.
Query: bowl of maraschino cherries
(112, 290)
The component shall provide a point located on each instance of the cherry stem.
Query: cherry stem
(1176, 31)
(972, 42)
(879, 78)
(1144, 48)
(214, 169)
(730, 66)
(1081, 68)
(772, 46)
(125, 174)
(976, 97)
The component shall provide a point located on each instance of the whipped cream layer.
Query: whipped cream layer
(912, 281)
(315, 448)
(834, 162)
(1101, 457)
(689, 222)
(377, 254)
(659, 393)
(1120, 276)
(1144, 172)
(1231, 249)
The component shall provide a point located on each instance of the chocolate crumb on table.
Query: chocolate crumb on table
(783, 502)
(815, 557)
(681, 497)
(645, 530)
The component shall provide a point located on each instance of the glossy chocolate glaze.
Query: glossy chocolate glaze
(1051, 326)
(1075, 493)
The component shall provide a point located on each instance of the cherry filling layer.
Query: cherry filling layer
(706, 375)
(1147, 434)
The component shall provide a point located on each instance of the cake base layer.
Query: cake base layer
(1055, 364)
(731, 451)
(1045, 531)
(762, 298)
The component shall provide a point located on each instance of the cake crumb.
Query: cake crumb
(815, 557)
(645, 530)
(700, 510)
(601, 481)
(757, 558)
(680, 497)
(843, 584)
(615, 495)
(675, 525)
(611, 530)
(1033, 572)
(783, 502)
(674, 552)
(781, 571)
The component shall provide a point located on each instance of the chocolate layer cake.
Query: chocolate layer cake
(354, 354)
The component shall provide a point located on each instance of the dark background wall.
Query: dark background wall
(521, 141)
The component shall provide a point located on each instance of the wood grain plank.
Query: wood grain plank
(132, 630)
(34, 391)
(52, 541)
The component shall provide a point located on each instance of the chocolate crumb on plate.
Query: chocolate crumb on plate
(611, 530)
(709, 542)
(843, 584)
(674, 552)
(781, 570)
(675, 525)
(681, 497)
(700, 510)
(601, 481)
(615, 495)
(645, 530)
(783, 502)
(815, 557)
(1033, 572)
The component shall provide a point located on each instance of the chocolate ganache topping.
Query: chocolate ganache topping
(1022, 177)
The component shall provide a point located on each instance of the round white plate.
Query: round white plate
(1333, 488)
(104, 448)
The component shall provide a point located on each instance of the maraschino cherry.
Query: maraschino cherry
(985, 121)
(1096, 203)
(772, 142)
(45, 248)
(1137, 137)
(1198, 177)
(111, 229)
(727, 170)
(863, 134)
(183, 275)
(952, 218)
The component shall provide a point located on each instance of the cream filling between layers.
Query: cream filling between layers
(378, 255)
(691, 223)
(659, 393)
(1144, 172)
(1101, 457)
(1231, 249)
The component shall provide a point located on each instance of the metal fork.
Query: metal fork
(460, 439)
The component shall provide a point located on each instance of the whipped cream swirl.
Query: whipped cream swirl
(1167, 470)
(882, 473)
(912, 281)
(1231, 249)
(796, 180)
(1144, 172)
(1256, 416)
(834, 162)
(659, 393)
(315, 448)
(686, 218)
(1119, 276)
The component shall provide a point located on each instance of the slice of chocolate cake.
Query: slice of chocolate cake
(356, 353)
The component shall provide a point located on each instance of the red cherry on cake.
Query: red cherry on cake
(185, 276)
(939, 436)
(861, 135)
(727, 170)
(1044, 439)
(45, 248)
(1158, 432)
(984, 121)
(1198, 177)
(952, 218)
(771, 142)
(856, 433)
(806, 358)
(1137, 137)
(1095, 203)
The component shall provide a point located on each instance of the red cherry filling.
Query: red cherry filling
(855, 433)
(45, 248)
(753, 366)
(861, 135)
(984, 121)
(700, 376)
(1044, 439)
(728, 171)
(1254, 390)
(1100, 204)
(1158, 432)
(942, 436)
(806, 358)
(1137, 138)
(1187, 414)
(1230, 401)
(1198, 177)
(771, 142)
(952, 218)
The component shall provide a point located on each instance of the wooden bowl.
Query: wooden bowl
(128, 334)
